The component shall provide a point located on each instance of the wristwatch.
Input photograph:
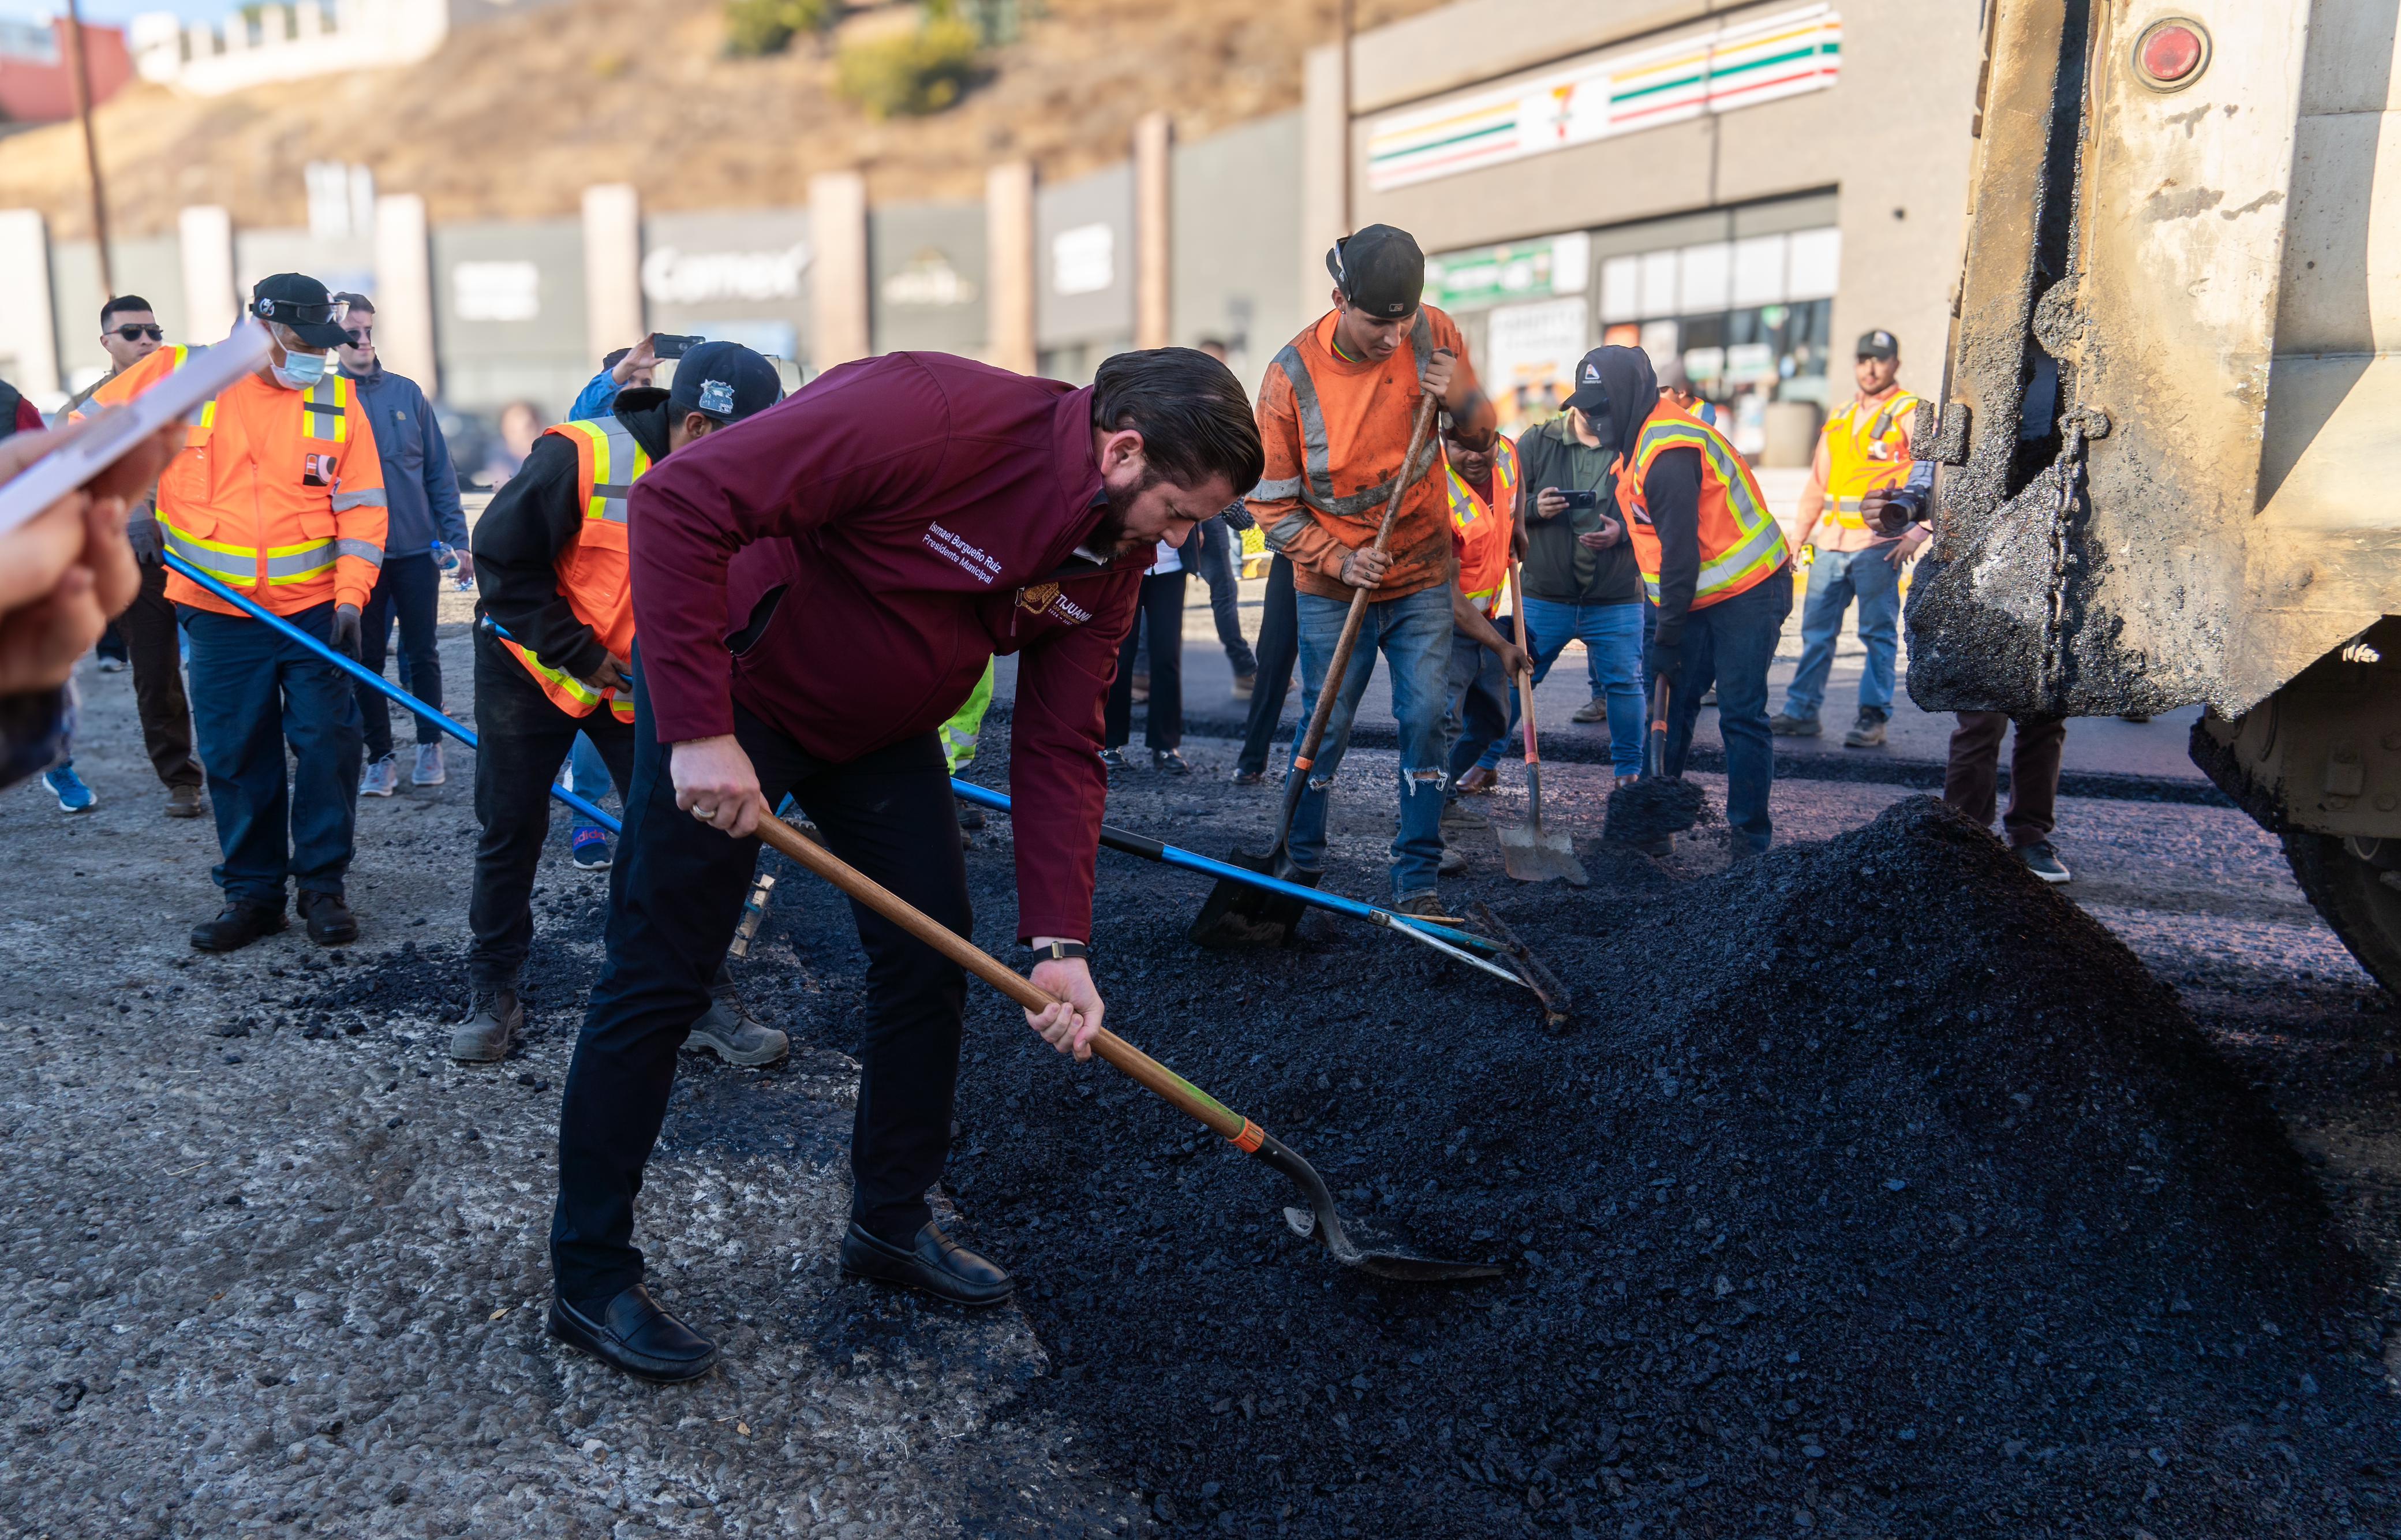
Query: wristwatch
(1061, 951)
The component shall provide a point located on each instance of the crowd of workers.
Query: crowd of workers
(728, 613)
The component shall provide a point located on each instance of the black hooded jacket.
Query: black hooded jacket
(1671, 492)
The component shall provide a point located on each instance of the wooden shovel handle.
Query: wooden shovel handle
(1123, 1056)
(1525, 679)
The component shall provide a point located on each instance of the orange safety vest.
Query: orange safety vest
(1484, 534)
(1741, 543)
(280, 496)
(593, 574)
(1866, 446)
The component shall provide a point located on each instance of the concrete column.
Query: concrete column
(1008, 267)
(1324, 140)
(403, 260)
(210, 299)
(29, 337)
(308, 19)
(1153, 269)
(613, 267)
(838, 275)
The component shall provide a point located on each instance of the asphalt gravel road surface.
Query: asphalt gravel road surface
(274, 1266)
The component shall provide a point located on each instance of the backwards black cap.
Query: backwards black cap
(1380, 270)
(725, 379)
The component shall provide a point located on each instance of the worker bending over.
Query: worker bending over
(278, 495)
(552, 659)
(816, 591)
(1714, 561)
(1486, 535)
(1335, 412)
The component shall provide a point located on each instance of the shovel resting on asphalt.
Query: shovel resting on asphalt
(1319, 1218)
(1658, 807)
(1530, 852)
(1236, 914)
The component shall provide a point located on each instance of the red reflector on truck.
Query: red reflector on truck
(2170, 54)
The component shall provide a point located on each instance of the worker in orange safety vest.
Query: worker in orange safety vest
(278, 495)
(553, 656)
(1486, 534)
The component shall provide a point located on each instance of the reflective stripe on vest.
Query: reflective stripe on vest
(1467, 508)
(285, 564)
(325, 410)
(1733, 559)
(609, 461)
(1852, 470)
(1315, 489)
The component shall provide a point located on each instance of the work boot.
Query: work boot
(183, 802)
(970, 815)
(381, 778)
(726, 1030)
(1784, 724)
(2044, 863)
(238, 925)
(1170, 761)
(1425, 905)
(1594, 709)
(484, 1036)
(1454, 861)
(934, 1262)
(330, 920)
(1459, 815)
(428, 771)
(1479, 781)
(1866, 732)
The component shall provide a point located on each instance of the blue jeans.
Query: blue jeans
(1730, 645)
(1613, 637)
(587, 776)
(252, 692)
(1414, 636)
(1835, 577)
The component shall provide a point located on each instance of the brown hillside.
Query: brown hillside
(515, 118)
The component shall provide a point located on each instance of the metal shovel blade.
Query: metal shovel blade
(1238, 915)
(1530, 852)
(1378, 1256)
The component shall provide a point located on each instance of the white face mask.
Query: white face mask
(299, 371)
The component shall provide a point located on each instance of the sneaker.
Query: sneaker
(1168, 761)
(484, 1037)
(1454, 861)
(1594, 709)
(1784, 724)
(590, 849)
(2044, 863)
(183, 802)
(428, 771)
(1114, 761)
(1866, 732)
(1709, 696)
(1245, 685)
(970, 816)
(726, 1030)
(112, 665)
(381, 778)
(73, 794)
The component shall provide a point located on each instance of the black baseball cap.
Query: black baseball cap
(1879, 344)
(301, 303)
(1379, 269)
(725, 380)
(1590, 396)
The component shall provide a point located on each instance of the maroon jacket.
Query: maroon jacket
(869, 546)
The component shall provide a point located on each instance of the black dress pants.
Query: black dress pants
(675, 895)
(155, 649)
(1279, 651)
(521, 736)
(1162, 609)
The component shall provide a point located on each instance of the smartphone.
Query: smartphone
(115, 430)
(668, 345)
(1580, 499)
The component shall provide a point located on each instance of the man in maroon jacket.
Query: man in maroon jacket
(815, 589)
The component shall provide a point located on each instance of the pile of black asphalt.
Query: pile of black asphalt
(1878, 1192)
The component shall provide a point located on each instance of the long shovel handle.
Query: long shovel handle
(1655, 742)
(1123, 1056)
(1525, 697)
(1338, 667)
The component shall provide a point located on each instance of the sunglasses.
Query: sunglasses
(360, 336)
(135, 334)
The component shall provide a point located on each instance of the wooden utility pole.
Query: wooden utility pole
(79, 78)
(1349, 20)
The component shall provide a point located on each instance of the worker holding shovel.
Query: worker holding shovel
(815, 590)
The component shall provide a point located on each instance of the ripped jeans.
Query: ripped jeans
(1414, 634)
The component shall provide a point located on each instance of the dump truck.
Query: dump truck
(2169, 435)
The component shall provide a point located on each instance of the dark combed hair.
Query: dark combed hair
(1194, 419)
(124, 302)
(356, 302)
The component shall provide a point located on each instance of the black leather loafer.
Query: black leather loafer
(634, 1334)
(936, 1263)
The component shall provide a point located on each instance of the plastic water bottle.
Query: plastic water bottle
(447, 561)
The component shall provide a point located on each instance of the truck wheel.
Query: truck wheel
(2344, 880)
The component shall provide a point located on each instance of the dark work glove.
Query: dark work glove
(1668, 661)
(346, 635)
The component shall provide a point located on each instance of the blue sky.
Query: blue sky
(117, 11)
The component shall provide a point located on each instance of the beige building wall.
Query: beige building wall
(1891, 138)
